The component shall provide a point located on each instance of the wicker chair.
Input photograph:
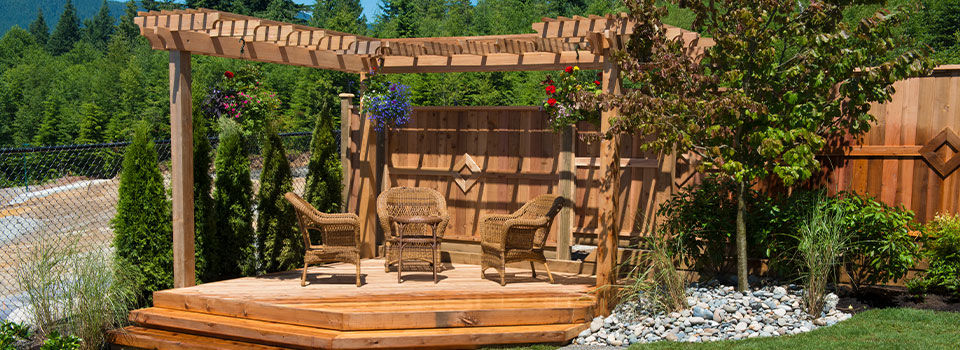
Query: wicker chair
(340, 236)
(410, 201)
(519, 236)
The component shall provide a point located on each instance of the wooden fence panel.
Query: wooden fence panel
(894, 170)
(493, 159)
(517, 157)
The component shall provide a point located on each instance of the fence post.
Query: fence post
(346, 114)
(567, 184)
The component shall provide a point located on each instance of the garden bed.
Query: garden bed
(894, 297)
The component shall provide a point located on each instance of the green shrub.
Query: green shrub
(56, 341)
(324, 178)
(279, 244)
(822, 242)
(881, 247)
(233, 253)
(204, 208)
(943, 253)
(701, 220)
(143, 236)
(11, 333)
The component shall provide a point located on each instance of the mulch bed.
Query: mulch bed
(885, 297)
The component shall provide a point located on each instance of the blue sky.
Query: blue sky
(371, 8)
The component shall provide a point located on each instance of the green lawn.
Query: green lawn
(872, 330)
(875, 329)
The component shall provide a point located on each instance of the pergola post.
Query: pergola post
(181, 155)
(567, 188)
(346, 113)
(609, 197)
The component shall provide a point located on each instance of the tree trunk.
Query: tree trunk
(742, 284)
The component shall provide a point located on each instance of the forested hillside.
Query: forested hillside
(22, 12)
(71, 81)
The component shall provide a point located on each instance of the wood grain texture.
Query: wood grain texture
(332, 313)
(181, 157)
(609, 201)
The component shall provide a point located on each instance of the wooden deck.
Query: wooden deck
(273, 311)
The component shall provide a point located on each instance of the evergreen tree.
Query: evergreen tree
(99, 29)
(48, 134)
(222, 5)
(232, 195)
(143, 236)
(396, 19)
(39, 29)
(324, 177)
(340, 15)
(281, 10)
(92, 124)
(127, 28)
(67, 31)
(150, 5)
(208, 253)
(279, 244)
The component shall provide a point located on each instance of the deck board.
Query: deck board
(462, 310)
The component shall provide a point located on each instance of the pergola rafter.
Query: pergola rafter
(557, 43)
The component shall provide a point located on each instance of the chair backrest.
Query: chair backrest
(304, 211)
(411, 201)
(308, 217)
(544, 205)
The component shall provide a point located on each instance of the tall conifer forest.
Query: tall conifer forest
(87, 80)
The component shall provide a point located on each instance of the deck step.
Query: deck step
(303, 337)
(134, 337)
(390, 313)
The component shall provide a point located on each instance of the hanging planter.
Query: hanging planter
(560, 102)
(387, 104)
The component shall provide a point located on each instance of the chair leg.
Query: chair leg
(549, 274)
(503, 271)
(533, 270)
(434, 265)
(399, 262)
(358, 269)
(303, 278)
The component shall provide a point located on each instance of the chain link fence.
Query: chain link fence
(67, 195)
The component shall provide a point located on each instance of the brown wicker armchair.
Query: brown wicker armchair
(340, 236)
(519, 236)
(410, 201)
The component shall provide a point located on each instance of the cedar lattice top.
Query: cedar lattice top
(557, 43)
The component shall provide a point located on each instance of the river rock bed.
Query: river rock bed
(713, 313)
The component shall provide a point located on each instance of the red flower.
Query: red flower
(551, 89)
(551, 101)
(597, 82)
(228, 74)
(569, 69)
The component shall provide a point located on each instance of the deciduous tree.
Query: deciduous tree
(783, 79)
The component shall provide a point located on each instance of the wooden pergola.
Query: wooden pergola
(557, 43)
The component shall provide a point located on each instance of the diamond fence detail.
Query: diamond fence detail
(67, 195)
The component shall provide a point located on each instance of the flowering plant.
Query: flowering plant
(239, 96)
(387, 104)
(560, 103)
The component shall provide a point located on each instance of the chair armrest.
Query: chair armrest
(339, 221)
(531, 223)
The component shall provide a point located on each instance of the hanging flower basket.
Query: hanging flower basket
(387, 104)
(560, 103)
